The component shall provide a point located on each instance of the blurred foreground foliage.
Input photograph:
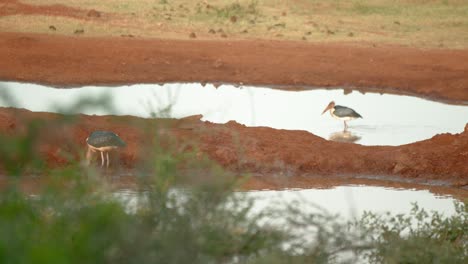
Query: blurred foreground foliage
(77, 218)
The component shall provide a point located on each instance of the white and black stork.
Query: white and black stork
(341, 113)
(103, 141)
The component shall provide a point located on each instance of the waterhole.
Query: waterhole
(347, 202)
(386, 119)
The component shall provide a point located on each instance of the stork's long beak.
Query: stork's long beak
(326, 109)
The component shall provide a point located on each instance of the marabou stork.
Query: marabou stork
(103, 141)
(341, 113)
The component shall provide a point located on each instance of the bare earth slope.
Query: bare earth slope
(261, 151)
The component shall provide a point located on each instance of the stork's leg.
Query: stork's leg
(102, 158)
(107, 159)
(89, 154)
(345, 125)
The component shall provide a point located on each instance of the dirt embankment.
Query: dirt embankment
(271, 151)
(72, 61)
(261, 151)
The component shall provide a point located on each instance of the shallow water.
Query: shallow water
(387, 119)
(347, 201)
(344, 203)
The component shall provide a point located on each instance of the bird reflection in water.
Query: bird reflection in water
(344, 136)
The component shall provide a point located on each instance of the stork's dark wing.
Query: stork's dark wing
(105, 139)
(343, 111)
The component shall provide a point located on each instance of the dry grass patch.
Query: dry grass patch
(407, 22)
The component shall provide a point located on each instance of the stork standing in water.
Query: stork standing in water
(341, 113)
(104, 142)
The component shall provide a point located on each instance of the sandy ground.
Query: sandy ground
(70, 61)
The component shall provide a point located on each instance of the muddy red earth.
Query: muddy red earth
(73, 61)
(271, 155)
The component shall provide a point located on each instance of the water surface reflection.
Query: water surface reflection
(346, 201)
(344, 136)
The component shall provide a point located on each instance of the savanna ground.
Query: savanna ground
(428, 24)
(404, 47)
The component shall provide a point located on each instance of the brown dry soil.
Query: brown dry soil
(67, 61)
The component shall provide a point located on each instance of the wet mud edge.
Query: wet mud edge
(273, 156)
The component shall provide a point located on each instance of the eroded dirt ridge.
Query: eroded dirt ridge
(258, 150)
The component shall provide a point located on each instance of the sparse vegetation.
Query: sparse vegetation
(420, 237)
(412, 23)
(236, 9)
